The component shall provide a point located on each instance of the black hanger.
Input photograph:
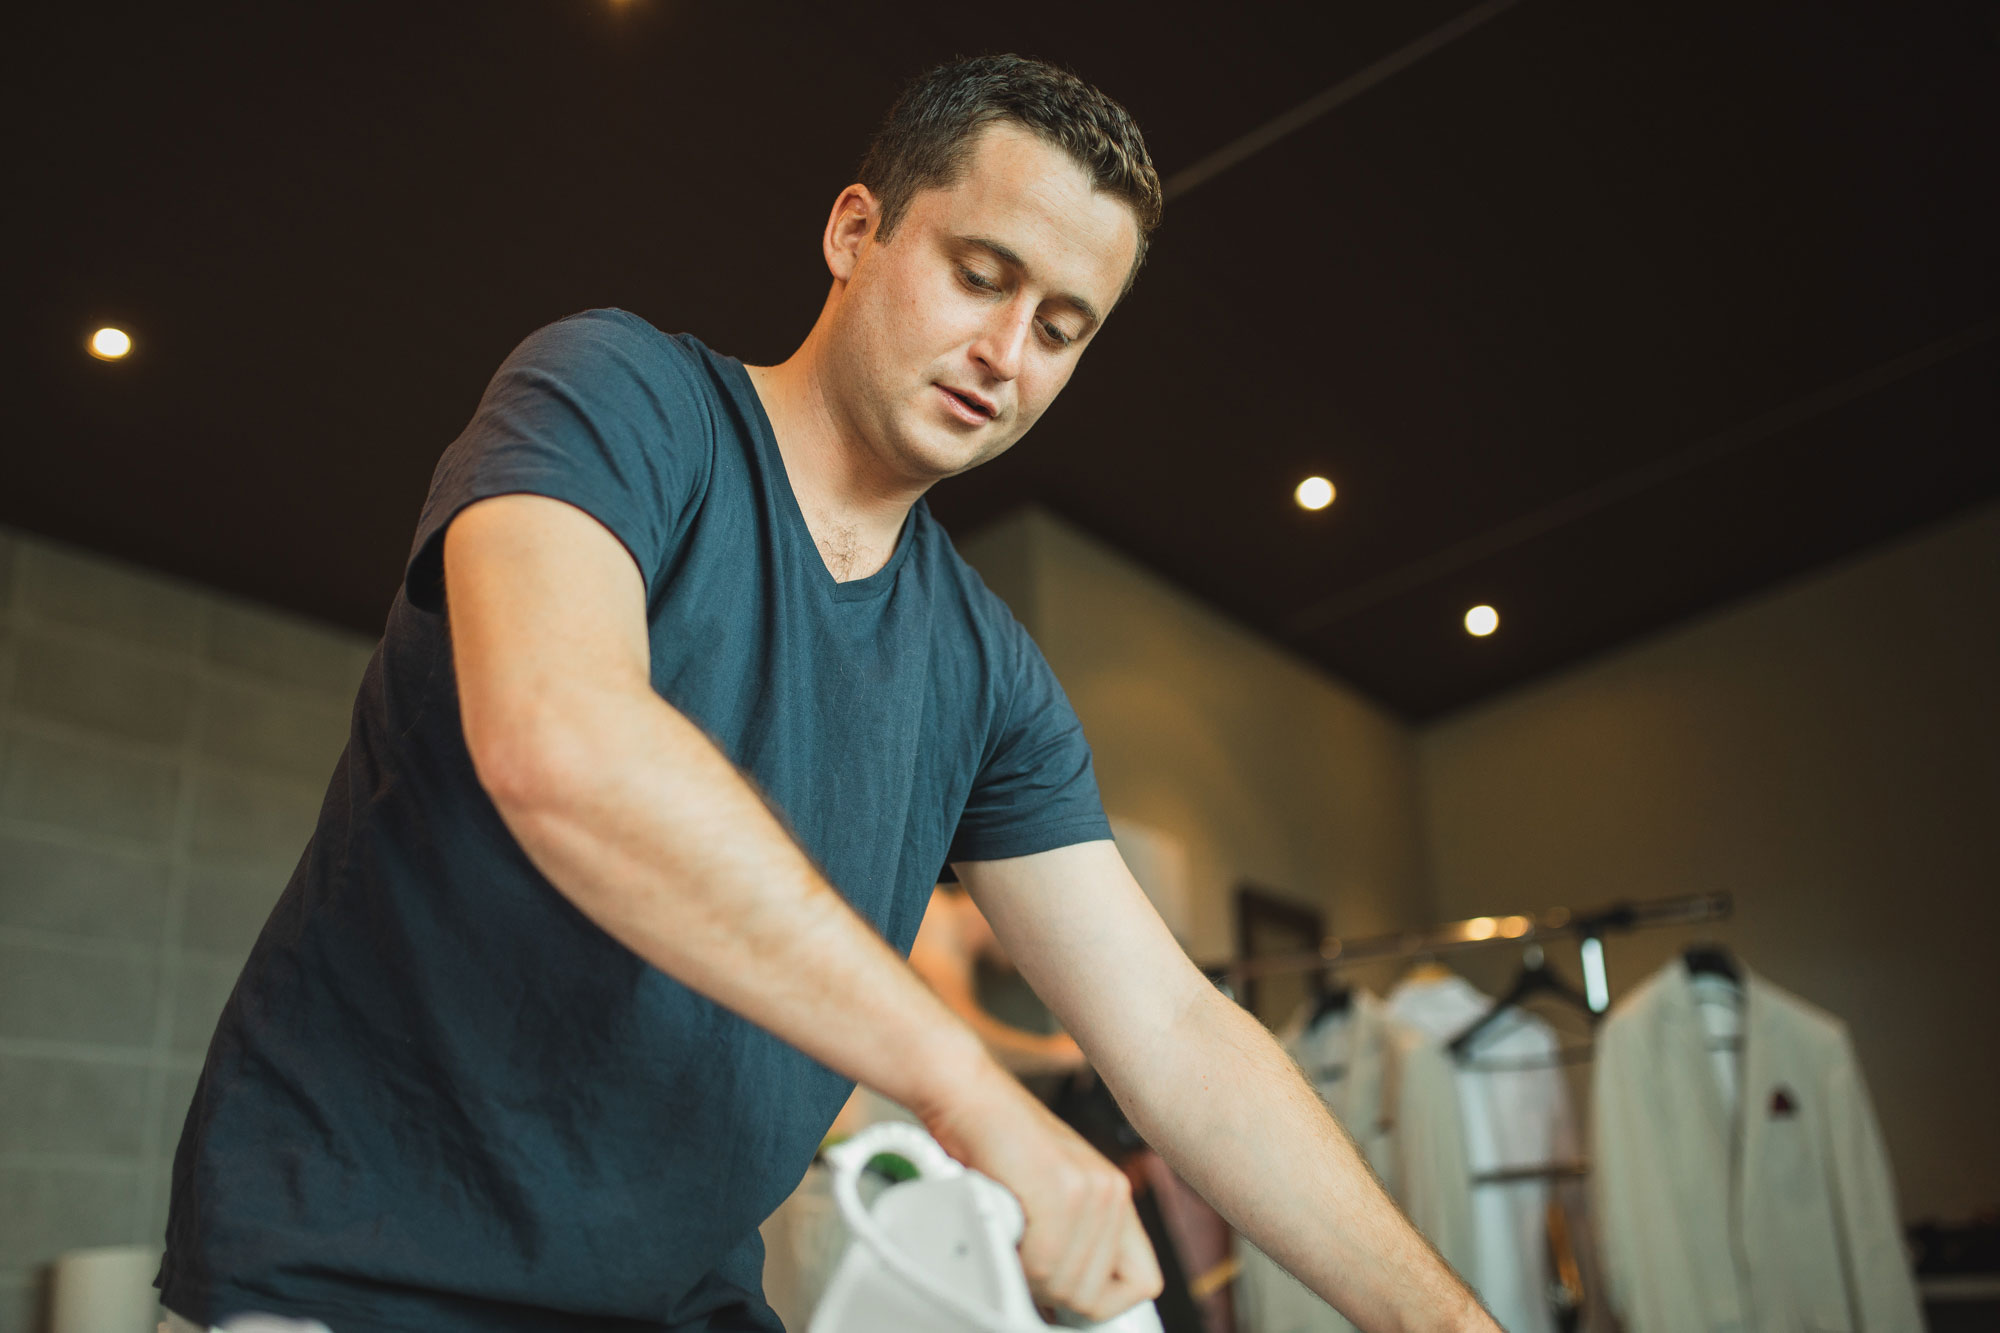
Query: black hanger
(1712, 959)
(1535, 979)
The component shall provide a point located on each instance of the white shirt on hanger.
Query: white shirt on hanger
(1515, 1113)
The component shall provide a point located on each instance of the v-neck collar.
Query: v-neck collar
(786, 499)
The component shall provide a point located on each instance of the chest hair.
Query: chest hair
(840, 548)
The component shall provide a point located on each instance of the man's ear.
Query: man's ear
(848, 228)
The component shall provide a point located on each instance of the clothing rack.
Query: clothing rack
(1589, 926)
(1553, 1171)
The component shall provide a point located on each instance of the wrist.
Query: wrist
(952, 1070)
(1471, 1317)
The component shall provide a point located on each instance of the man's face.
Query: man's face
(954, 337)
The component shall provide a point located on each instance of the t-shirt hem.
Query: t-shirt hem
(1044, 837)
(205, 1305)
(424, 576)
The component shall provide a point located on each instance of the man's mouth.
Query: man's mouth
(969, 405)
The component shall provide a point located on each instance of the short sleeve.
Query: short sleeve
(601, 411)
(1036, 789)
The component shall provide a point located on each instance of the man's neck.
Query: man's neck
(854, 513)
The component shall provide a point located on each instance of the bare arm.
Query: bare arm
(637, 818)
(1212, 1091)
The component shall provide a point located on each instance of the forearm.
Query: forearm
(1234, 1117)
(635, 816)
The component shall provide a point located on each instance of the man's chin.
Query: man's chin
(931, 462)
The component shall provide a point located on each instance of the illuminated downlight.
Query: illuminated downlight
(1481, 621)
(1314, 493)
(109, 344)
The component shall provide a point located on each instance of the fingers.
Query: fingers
(1082, 1247)
(1102, 1262)
(1133, 1274)
(1138, 1269)
(1083, 1268)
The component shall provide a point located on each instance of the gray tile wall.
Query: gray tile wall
(163, 750)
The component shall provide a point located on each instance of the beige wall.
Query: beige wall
(1268, 769)
(1830, 754)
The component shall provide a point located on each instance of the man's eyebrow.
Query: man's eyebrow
(1007, 256)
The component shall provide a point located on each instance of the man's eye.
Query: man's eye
(977, 280)
(1056, 335)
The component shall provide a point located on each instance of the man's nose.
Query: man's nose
(1003, 342)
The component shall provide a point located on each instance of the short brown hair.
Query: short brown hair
(925, 143)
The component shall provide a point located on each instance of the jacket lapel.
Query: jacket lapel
(1702, 1134)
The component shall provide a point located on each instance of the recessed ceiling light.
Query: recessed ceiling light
(109, 344)
(1314, 493)
(1481, 621)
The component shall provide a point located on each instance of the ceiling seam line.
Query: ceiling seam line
(1582, 504)
(1349, 88)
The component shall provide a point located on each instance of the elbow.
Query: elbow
(525, 758)
(509, 771)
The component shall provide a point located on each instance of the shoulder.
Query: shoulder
(958, 587)
(980, 649)
(611, 339)
(1799, 1021)
(617, 373)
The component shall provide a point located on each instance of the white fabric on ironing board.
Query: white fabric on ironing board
(245, 1324)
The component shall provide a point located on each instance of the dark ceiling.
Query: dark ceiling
(1604, 314)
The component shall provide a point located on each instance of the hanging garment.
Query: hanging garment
(1200, 1240)
(1515, 1115)
(1766, 1208)
(1433, 1174)
(1414, 1138)
(1348, 1056)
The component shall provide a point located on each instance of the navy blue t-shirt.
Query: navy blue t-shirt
(439, 1097)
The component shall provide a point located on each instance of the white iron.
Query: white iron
(935, 1254)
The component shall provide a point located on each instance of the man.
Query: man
(683, 704)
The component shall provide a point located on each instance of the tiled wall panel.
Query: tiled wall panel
(59, 882)
(163, 752)
(50, 1105)
(58, 990)
(99, 687)
(87, 787)
(61, 587)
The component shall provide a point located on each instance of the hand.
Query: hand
(1083, 1248)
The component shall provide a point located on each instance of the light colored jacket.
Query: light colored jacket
(1774, 1215)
